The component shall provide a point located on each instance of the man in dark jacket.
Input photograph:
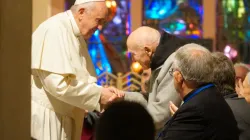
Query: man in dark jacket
(205, 115)
(224, 77)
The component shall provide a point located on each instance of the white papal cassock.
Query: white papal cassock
(62, 87)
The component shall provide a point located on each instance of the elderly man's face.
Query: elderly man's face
(246, 87)
(92, 20)
(141, 55)
(240, 72)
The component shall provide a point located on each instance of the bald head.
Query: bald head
(142, 44)
(241, 70)
(144, 36)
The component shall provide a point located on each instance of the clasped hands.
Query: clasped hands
(110, 94)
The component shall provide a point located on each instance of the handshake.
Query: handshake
(110, 94)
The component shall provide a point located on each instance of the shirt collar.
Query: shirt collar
(197, 91)
(76, 29)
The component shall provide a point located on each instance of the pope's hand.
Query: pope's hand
(117, 94)
(110, 94)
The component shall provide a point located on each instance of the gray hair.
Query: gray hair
(88, 6)
(224, 73)
(242, 65)
(195, 63)
(146, 36)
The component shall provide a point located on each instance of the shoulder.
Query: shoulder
(238, 105)
(204, 100)
(169, 61)
(167, 65)
(54, 24)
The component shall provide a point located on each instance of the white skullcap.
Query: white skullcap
(85, 1)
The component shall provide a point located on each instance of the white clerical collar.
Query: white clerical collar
(76, 29)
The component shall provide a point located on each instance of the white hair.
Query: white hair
(195, 63)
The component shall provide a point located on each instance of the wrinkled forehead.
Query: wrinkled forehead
(241, 69)
(99, 10)
(131, 45)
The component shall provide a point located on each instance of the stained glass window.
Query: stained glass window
(179, 17)
(113, 38)
(234, 27)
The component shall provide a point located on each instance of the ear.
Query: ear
(178, 77)
(81, 12)
(148, 50)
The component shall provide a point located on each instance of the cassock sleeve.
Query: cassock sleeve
(67, 89)
(135, 97)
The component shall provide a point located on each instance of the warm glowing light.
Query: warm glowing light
(136, 67)
(108, 4)
(113, 3)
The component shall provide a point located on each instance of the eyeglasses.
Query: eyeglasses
(172, 70)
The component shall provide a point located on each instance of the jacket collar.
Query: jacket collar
(168, 44)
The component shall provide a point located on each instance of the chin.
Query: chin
(145, 67)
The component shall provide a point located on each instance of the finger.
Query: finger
(112, 98)
(240, 84)
(237, 83)
(236, 89)
(237, 86)
(171, 110)
(117, 92)
(173, 106)
(120, 93)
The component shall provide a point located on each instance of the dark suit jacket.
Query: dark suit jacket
(241, 111)
(206, 116)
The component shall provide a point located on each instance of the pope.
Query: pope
(61, 83)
